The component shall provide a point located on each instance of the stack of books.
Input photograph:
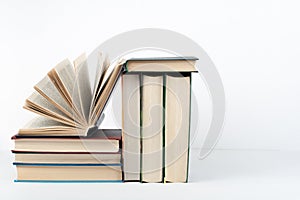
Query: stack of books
(64, 143)
(69, 158)
(156, 118)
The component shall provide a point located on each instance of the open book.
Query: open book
(65, 100)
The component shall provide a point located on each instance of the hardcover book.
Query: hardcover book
(156, 118)
(36, 172)
(64, 143)
(95, 158)
(102, 140)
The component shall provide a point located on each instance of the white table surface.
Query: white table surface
(225, 174)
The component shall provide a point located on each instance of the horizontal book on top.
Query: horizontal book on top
(161, 64)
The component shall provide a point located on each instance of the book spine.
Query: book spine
(141, 125)
(189, 132)
(177, 127)
(164, 130)
(131, 127)
(152, 128)
(164, 106)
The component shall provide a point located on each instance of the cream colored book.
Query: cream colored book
(66, 103)
(68, 173)
(177, 127)
(152, 129)
(164, 117)
(75, 158)
(162, 64)
(131, 144)
(100, 141)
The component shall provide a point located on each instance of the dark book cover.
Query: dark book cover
(67, 164)
(63, 152)
(164, 58)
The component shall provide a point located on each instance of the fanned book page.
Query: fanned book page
(46, 126)
(65, 101)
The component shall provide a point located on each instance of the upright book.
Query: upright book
(152, 129)
(131, 108)
(177, 126)
(161, 89)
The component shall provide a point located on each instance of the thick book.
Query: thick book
(142, 133)
(66, 102)
(161, 64)
(172, 143)
(67, 157)
(101, 140)
(131, 143)
(152, 129)
(177, 127)
(36, 172)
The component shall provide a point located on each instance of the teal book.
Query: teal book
(68, 181)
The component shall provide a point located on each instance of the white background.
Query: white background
(254, 44)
